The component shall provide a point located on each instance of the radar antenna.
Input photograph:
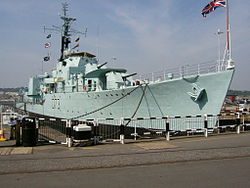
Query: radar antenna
(65, 30)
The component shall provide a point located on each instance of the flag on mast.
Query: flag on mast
(212, 6)
(47, 58)
(47, 45)
(78, 39)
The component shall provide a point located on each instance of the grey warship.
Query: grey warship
(81, 87)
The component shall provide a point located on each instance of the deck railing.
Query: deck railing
(183, 71)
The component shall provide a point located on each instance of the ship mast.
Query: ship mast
(65, 35)
(228, 50)
(66, 31)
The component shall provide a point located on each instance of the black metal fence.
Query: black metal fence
(52, 130)
(62, 131)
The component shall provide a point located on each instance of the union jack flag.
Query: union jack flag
(212, 6)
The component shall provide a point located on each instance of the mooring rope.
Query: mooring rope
(94, 111)
(139, 104)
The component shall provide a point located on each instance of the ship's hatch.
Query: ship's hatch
(101, 72)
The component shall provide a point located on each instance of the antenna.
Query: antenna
(84, 33)
(65, 8)
(54, 28)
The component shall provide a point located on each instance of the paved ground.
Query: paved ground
(15, 150)
(180, 162)
(229, 173)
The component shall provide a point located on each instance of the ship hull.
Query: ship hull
(174, 97)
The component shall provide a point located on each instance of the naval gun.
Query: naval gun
(100, 66)
(127, 76)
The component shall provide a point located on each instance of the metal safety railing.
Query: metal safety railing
(119, 129)
(183, 71)
(52, 130)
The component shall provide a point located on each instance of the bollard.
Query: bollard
(68, 133)
(122, 132)
(122, 139)
(238, 123)
(205, 125)
(167, 131)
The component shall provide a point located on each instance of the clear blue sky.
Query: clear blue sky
(144, 35)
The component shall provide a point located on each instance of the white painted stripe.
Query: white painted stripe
(134, 134)
(52, 141)
(159, 132)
